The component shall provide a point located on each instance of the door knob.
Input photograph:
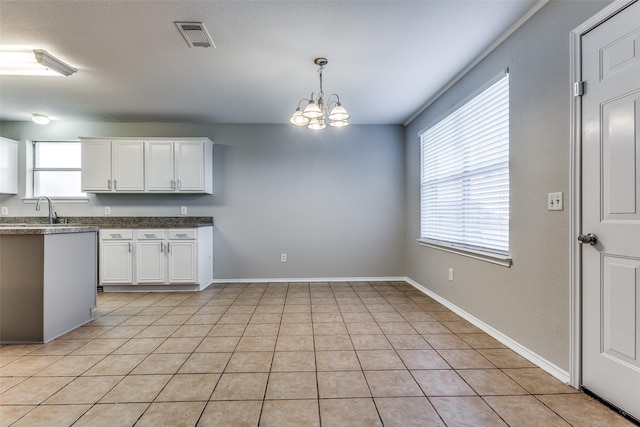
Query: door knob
(588, 239)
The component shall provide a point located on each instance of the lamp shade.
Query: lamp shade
(41, 119)
(338, 113)
(298, 119)
(312, 110)
(317, 124)
(338, 123)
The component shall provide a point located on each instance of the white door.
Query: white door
(128, 165)
(116, 262)
(150, 261)
(96, 166)
(611, 210)
(190, 165)
(182, 261)
(159, 166)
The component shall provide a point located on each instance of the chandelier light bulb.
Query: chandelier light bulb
(338, 113)
(317, 124)
(298, 119)
(312, 111)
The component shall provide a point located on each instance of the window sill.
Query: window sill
(503, 260)
(34, 200)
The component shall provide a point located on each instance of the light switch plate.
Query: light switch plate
(5, 211)
(554, 201)
(183, 210)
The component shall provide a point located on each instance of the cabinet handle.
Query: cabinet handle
(179, 185)
(161, 247)
(173, 184)
(115, 184)
(129, 247)
(168, 247)
(109, 184)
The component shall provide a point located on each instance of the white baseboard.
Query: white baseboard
(531, 356)
(313, 279)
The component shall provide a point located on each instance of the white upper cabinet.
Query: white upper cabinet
(127, 165)
(159, 169)
(8, 166)
(162, 165)
(112, 166)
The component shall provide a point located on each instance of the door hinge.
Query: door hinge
(578, 88)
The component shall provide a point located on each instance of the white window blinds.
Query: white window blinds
(465, 175)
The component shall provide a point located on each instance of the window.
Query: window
(464, 191)
(56, 169)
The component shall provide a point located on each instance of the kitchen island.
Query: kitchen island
(48, 276)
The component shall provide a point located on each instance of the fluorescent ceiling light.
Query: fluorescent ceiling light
(41, 119)
(32, 62)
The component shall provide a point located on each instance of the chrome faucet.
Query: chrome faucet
(52, 215)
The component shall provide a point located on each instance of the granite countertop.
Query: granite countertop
(108, 222)
(22, 229)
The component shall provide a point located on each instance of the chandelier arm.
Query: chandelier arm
(330, 101)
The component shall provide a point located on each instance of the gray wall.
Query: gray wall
(528, 302)
(332, 200)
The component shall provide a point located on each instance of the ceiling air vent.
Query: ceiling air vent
(195, 34)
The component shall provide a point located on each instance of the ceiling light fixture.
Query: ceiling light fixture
(41, 119)
(32, 62)
(314, 112)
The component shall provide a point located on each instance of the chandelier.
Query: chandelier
(314, 113)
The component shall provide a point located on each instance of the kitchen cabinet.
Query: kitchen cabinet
(150, 256)
(8, 166)
(147, 165)
(182, 256)
(156, 258)
(116, 256)
(183, 166)
(112, 166)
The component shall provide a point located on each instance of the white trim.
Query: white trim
(503, 260)
(523, 351)
(34, 200)
(512, 29)
(575, 202)
(313, 279)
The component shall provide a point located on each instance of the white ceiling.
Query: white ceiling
(386, 58)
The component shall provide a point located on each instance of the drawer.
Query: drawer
(116, 234)
(182, 234)
(153, 234)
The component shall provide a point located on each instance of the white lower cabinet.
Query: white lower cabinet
(159, 257)
(150, 256)
(116, 256)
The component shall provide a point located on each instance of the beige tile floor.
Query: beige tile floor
(282, 354)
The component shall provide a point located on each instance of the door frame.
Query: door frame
(575, 197)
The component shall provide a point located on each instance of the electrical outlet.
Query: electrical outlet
(451, 274)
(554, 201)
(283, 257)
(5, 211)
(183, 210)
(107, 210)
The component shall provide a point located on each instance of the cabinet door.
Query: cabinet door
(189, 161)
(116, 262)
(182, 261)
(128, 166)
(8, 166)
(96, 166)
(159, 166)
(150, 261)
